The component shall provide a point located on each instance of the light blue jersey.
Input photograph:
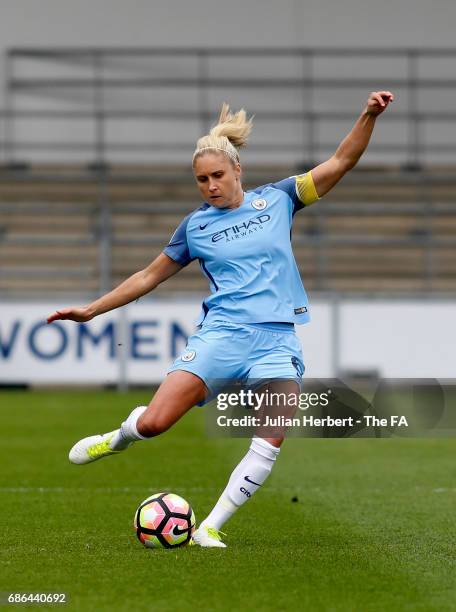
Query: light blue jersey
(246, 254)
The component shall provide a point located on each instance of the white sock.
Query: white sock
(128, 432)
(246, 478)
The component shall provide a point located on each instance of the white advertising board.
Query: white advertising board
(139, 342)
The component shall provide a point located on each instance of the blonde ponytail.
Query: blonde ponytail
(229, 135)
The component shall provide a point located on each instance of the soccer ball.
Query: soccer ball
(164, 520)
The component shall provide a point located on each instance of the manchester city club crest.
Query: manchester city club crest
(259, 204)
(188, 356)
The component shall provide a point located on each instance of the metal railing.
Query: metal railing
(304, 101)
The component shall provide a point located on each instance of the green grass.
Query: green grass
(373, 528)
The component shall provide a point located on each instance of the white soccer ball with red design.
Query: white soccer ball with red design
(164, 520)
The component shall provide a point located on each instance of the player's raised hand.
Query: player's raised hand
(378, 101)
(80, 315)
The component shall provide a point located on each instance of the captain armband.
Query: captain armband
(305, 189)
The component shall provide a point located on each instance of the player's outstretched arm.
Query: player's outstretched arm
(327, 174)
(134, 287)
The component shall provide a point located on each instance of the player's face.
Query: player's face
(219, 180)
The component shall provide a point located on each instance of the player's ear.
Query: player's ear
(238, 171)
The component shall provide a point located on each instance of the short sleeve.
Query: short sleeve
(177, 247)
(301, 190)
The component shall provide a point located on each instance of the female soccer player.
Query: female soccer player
(246, 328)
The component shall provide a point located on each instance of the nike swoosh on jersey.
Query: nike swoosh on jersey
(203, 226)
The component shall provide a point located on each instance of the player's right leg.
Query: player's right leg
(188, 383)
(176, 395)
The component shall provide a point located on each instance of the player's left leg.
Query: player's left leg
(245, 480)
(252, 471)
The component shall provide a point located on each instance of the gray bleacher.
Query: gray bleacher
(97, 144)
(374, 232)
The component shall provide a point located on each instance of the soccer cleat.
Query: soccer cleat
(208, 537)
(92, 448)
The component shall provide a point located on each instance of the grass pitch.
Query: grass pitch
(373, 528)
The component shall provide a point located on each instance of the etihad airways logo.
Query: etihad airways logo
(243, 229)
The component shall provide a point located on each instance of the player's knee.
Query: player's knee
(267, 447)
(276, 441)
(151, 424)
